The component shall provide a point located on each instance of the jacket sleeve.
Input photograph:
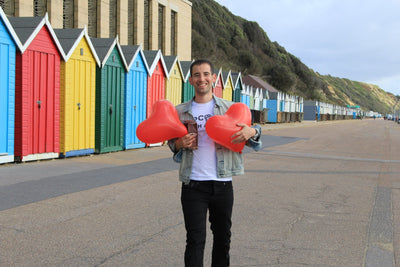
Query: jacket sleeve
(177, 157)
(255, 143)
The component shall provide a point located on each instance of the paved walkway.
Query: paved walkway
(318, 194)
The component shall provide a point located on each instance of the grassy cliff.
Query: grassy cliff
(236, 44)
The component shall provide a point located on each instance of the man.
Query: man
(206, 172)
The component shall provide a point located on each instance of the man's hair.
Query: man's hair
(199, 62)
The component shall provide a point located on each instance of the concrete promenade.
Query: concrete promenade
(317, 194)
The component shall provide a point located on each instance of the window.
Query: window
(146, 41)
(131, 21)
(92, 18)
(113, 18)
(173, 33)
(161, 27)
(8, 7)
(39, 8)
(68, 14)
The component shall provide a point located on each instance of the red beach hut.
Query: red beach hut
(156, 80)
(37, 86)
(218, 85)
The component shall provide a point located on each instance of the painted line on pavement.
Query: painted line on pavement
(318, 156)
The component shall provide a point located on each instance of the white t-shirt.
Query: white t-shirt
(204, 167)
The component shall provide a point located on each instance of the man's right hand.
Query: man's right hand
(185, 141)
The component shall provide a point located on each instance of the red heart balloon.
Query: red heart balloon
(220, 128)
(163, 124)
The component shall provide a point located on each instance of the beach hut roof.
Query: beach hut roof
(237, 78)
(9, 28)
(25, 26)
(257, 82)
(69, 40)
(226, 75)
(218, 72)
(170, 61)
(26, 29)
(130, 54)
(104, 47)
(186, 69)
(152, 57)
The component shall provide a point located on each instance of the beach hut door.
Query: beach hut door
(42, 83)
(113, 106)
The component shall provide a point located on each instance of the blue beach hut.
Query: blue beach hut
(245, 95)
(135, 93)
(8, 45)
(311, 110)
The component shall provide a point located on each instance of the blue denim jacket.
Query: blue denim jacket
(229, 163)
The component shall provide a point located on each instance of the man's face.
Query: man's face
(202, 79)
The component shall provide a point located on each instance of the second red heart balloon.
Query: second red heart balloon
(220, 128)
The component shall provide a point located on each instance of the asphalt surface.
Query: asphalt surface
(317, 194)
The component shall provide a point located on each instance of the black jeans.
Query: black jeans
(217, 198)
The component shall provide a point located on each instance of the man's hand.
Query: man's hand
(185, 141)
(244, 134)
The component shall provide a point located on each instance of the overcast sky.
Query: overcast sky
(354, 39)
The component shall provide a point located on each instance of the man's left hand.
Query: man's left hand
(244, 134)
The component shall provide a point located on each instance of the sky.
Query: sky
(354, 39)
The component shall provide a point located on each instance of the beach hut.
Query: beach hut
(135, 93)
(271, 99)
(227, 90)
(245, 95)
(252, 91)
(110, 95)
(156, 80)
(311, 110)
(173, 85)
(341, 112)
(329, 111)
(285, 113)
(265, 98)
(237, 85)
(299, 108)
(258, 99)
(8, 46)
(218, 85)
(263, 103)
(187, 88)
(77, 92)
(37, 89)
(272, 106)
(276, 107)
(323, 110)
(288, 105)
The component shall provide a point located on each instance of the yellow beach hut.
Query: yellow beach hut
(173, 85)
(227, 89)
(77, 92)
